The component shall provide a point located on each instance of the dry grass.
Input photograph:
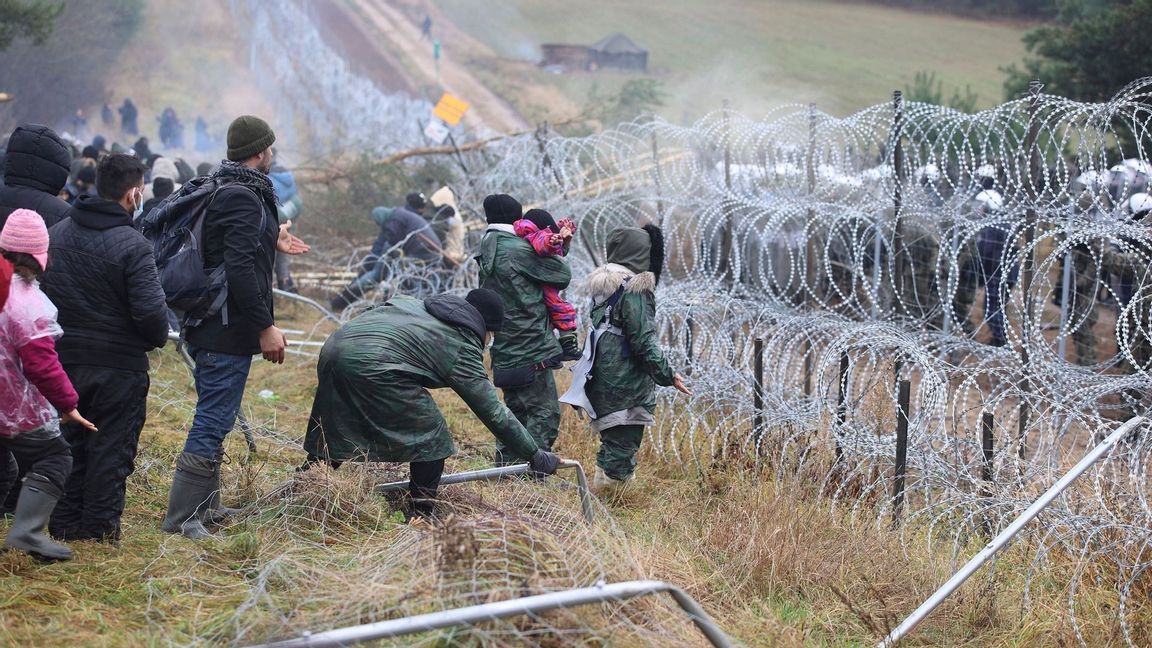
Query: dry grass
(775, 563)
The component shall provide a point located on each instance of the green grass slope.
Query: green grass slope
(757, 53)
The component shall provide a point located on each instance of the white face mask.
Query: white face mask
(139, 211)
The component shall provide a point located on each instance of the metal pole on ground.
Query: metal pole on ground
(1005, 536)
(476, 614)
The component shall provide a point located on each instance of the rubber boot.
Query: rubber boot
(605, 487)
(216, 513)
(38, 497)
(192, 488)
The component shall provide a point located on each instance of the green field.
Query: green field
(759, 54)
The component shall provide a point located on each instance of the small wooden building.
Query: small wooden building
(615, 51)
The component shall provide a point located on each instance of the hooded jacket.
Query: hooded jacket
(627, 368)
(510, 266)
(103, 280)
(374, 373)
(36, 168)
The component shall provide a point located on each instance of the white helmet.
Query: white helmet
(1140, 203)
(1138, 165)
(989, 201)
(929, 172)
(1090, 179)
(985, 171)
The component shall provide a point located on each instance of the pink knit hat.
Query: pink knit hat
(25, 232)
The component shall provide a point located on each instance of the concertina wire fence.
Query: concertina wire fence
(857, 253)
(860, 252)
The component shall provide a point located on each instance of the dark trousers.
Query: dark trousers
(423, 482)
(50, 458)
(115, 400)
(618, 448)
(537, 408)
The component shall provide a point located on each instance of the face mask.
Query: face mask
(139, 206)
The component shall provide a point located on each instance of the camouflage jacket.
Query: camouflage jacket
(510, 266)
(372, 401)
(627, 368)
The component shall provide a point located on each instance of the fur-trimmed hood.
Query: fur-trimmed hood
(607, 278)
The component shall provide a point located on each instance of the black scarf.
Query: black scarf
(258, 181)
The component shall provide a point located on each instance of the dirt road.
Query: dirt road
(488, 110)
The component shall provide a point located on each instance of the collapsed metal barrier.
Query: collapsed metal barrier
(1006, 536)
(600, 593)
(502, 472)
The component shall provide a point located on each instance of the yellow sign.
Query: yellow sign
(450, 109)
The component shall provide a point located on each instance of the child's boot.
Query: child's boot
(570, 346)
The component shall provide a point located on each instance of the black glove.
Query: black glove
(544, 462)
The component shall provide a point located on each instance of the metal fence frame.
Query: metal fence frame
(600, 593)
(1000, 541)
(503, 472)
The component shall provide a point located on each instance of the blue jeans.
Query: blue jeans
(220, 379)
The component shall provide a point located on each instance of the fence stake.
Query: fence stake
(730, 276)
(841, 403)
(1029, 260)
(986, 428)
(688, 343)
(903, 403)
(758, 393)
(656, 178)
(898, 195)
(1065, 294)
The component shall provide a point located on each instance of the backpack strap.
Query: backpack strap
(221, 301)
(613, 327)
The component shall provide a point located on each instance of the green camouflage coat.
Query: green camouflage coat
(372, 401)
(510, 266)
(620, 383)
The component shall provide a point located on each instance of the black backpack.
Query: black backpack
(175, 228)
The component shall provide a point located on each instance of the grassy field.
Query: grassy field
(759, 54)
(774, 566)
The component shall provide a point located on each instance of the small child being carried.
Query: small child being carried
(550, 238)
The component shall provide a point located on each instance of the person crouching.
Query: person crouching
(372, 401)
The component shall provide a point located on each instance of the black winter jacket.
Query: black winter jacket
(36, 168)
(232, 238)
(102, 278)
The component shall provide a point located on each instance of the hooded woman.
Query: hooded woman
(622, 359)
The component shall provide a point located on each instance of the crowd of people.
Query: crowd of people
(85, 296)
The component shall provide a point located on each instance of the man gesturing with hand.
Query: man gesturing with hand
(241, 234)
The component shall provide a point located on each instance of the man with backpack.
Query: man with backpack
(238, 240)
(112, 310)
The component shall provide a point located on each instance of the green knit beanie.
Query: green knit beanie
(248, 136)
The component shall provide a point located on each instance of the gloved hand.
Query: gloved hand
(544, 462)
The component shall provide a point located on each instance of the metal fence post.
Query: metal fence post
(688, 343)
(986, 472)
(1027, 274)
(758, 393)
(898, 254)
(1004, 537)
(903, 403)
(841, 403)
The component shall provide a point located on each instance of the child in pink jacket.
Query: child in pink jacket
(33, 387)
(550, 238)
